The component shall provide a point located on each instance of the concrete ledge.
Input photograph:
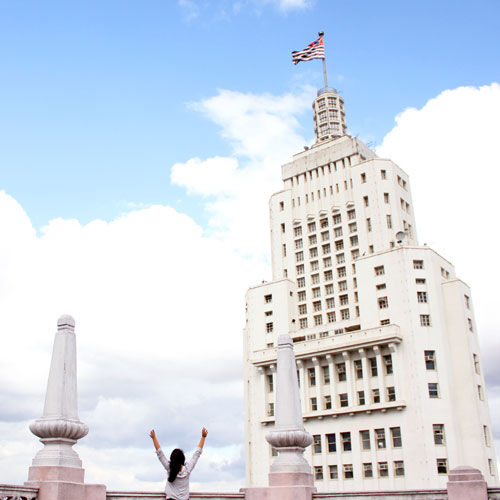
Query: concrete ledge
(39, 473)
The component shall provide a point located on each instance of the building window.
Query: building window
(299, 256)
(300, 269)
(316, 292)
(375, 395)
(341, 372)
(361, 398)
(425, 320)
(388, 364)
(383, 174)
(346, 441)
(491, 466)
(397, 442)
(391, 394)
(383, 303)
(337, 219)
(268, 313)
(339, 245)
(480, 394)
(399, 468)
(467, 301)
(344, 300)
(318, 473)
(325, 236)
(367, 471)
(338, 232)
(270, 383)
(303, 323)
(313, 240)
(469, 322)
(301, 295)
(314, 404)
(420, 281)
(323, 223)
(358, 368)
(302, 309)
(422, 297)
(344, 313)
(368, 225)
(363, 178)
(318, 320)
(316, 443)
(282, 206)
(348, 471)
(317, 305)
(269, 327)
(313, 252)
(342, 286)
(270, 410)
(354, 241)
(351, 214)
(333, 471)
(430, 360)
(433, 390)
(442, 466)
(282, 227)
(315, 279)
(380, 438)
(312, 376)
(386, 197)
(365, 440)
(328, 289)
(379, 270)
(384, 322)
(328, 275)
(383, 469)
(331, 443)
(341, 272)
(328, 402)
(301, 282)
(327, 262)
(326, 249)
(418, 264)
(298, 231)
(343, 400)
(438, 431)
(389, 221)
(373, 366)
(311, 227)
(330, 303)
(475, 358)
(326, 374)
(353, 227)
(268, 298)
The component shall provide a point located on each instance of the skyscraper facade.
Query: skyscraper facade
(384, 333)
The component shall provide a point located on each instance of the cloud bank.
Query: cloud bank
(159, 300)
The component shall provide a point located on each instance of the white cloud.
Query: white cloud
(159, 309)
(264, 133)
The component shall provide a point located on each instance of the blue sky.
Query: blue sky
(139, 145)
(95, 95)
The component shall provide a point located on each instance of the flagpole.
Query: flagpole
(321, 33)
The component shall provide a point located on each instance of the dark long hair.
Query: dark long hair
(177, 459)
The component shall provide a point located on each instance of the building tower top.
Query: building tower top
(329, 115)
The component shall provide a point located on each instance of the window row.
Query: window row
(343, 399)
(368, 471)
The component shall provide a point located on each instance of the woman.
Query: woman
(177, 487)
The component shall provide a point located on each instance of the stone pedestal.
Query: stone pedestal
(57, 469)
(466, 483)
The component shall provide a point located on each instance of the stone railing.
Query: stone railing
(390, 495)
(143, 495)
(14, 492)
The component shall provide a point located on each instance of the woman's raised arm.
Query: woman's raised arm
(155, 441)
(204, 433)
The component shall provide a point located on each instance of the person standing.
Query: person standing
(177, 487)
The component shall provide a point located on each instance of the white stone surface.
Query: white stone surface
(59, 428)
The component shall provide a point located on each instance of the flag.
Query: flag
(315, 50)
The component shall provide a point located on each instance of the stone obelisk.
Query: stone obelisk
(57, 469)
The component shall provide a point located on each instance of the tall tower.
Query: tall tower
(384, 334)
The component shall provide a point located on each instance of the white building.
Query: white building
(387, 351)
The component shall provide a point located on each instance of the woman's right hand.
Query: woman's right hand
(152, 434)
(204, 432)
